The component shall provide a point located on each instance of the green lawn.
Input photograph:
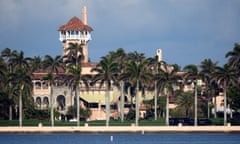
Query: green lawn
(90, 123)
(159, 122)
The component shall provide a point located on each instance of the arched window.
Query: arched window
(38, 102)
(45, 102)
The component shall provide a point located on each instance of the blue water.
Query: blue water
(126, 138)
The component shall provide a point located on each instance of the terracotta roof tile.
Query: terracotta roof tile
(75, 24)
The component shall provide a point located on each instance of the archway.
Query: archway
(61, 102)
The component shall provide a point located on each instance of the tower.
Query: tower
(76, 31)
(159, 54)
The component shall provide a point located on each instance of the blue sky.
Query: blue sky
(187, 31)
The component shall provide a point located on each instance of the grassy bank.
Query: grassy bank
(159, 122)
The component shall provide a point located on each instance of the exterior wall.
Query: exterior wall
(41, 95)
(87, 70)
(97, 114)
(219, 100)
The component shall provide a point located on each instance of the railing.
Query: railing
(79, 37)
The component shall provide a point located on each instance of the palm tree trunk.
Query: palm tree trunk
(122, 101)
(10, 106)
(20, 109)
(52, 106)
(208, 103)
(78, 105)
(167, 110)
(225, 102)
(10, 112)
(155, 100)
(107, 106)
(195, 105)
(166, 92)
(137, 105)
(215, 106)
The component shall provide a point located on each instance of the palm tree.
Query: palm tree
(106, 71)
(13, 60)
(74, 54)
(138, 73)
(155, 66)
(3, 72)
(74, 79)
(208, 68)
(73, 59)
(185, 100)
(35, 63)
(120, 58)
(226, 76)
(167, 78)
(193, 75)
(234, 60)
(138, 57)
(21, 81)
(18, 60)
(53, 65)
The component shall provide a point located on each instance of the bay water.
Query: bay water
(121, 138)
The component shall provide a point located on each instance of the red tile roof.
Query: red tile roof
(75, 24)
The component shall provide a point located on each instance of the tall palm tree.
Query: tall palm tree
(208, 68)
(73, 60)
(75, 79)
(53, 65)
(119, 56)
(21, 81)
(226, 76)
(106, 75)
(193, 75)
(6, 54)
(167, 78)
(234, 60)
(155, 66)
(13, 60)
(138, 73)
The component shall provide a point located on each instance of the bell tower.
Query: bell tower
(76, 31)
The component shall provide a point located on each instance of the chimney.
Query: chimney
(84, 15)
